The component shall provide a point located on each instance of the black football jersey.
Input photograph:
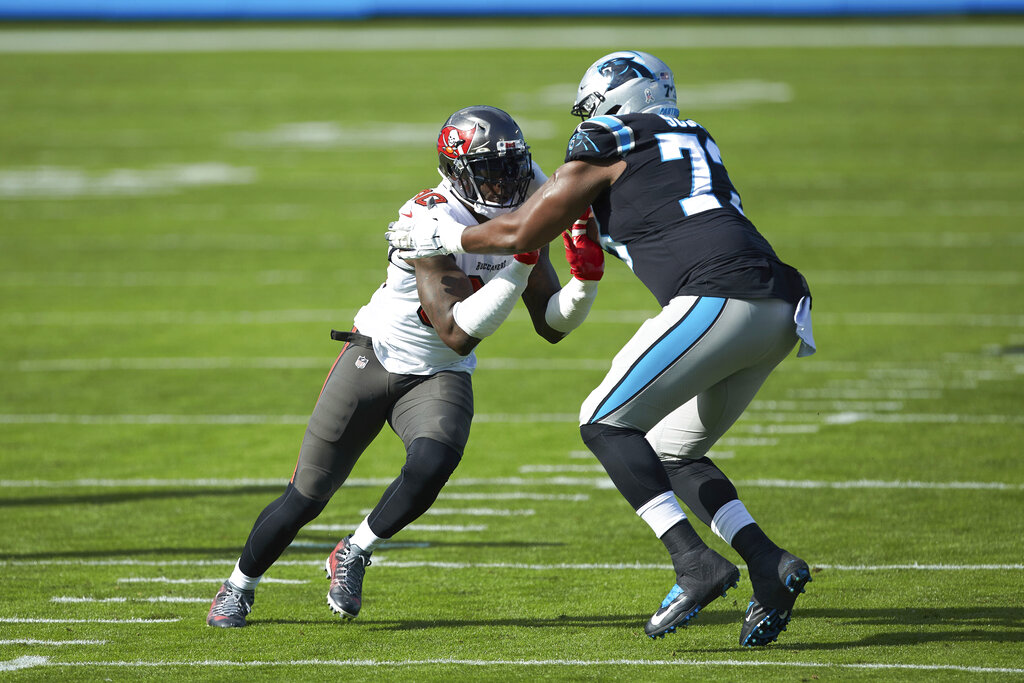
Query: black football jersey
(674, 216)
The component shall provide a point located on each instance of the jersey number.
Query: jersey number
(672, 147)
(475, 280)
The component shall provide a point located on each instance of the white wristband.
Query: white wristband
(450, 237)
(481, 313)
(568, 308)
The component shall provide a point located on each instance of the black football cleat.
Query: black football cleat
(710, 577)
(777, 584)
(345, 567)
(230, 606)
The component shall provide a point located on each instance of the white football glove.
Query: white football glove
(426, 236)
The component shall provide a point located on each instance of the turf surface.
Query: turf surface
(179, 231)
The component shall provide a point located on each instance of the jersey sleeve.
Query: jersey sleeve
(602, 137)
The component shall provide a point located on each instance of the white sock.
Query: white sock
(364, 538)
(661, 513)
(240, 580)
(729, 519)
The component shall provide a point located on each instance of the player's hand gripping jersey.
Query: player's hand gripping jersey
(674, 216)
(403, 338)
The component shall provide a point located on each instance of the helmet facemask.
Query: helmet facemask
(496, 180)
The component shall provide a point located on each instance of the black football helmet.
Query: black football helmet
(481, 151)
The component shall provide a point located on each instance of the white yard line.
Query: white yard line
(510, 481)
(475, 512)
(511, 37)
(35, 661)
(384, 561)
(275, 278)
(519, 495)
(29, 620)
(828, 412)
(446, 528)
(274, 363)
(615, 317)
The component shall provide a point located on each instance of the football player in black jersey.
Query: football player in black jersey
(731, 312)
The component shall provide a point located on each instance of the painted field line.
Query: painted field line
(451, 528)
(164, 579)
(383, 561)
(630, 317)
(56, 643)
(67, 599)
(241, 420)
(29, 662)
(273, 363)
(512, 37)
(278, 277)
(597, 482)
(552, 469)
(519, 495)
(835, 413)
(30, 620)
(476, 512)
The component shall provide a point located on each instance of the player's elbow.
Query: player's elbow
(550, 335)
(458, 341)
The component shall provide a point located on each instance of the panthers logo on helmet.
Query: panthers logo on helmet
(623, 69)
(454, 142)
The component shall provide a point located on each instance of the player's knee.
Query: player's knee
(431, 461)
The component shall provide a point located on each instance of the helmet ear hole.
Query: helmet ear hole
(613, 110)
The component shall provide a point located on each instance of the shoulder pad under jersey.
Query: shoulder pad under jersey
(602, 137)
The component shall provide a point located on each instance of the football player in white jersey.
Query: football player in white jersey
(409, 358)
(732, 310)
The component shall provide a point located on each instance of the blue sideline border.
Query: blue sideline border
(128, 10)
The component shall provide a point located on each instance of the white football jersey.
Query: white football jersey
(403, 338)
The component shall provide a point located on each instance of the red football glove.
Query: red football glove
(585, 257)
(529, 258)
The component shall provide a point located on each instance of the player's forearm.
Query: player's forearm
(503, 235)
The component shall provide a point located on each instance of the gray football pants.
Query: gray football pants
(357, 399)
(689, 373)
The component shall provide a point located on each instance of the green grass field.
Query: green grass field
(180, 230)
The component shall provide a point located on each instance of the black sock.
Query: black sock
(682, 543)
(752, 543)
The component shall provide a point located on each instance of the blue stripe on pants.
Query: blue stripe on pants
(659, 357)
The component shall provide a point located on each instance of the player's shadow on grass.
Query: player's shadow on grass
(293, 552)
(576, 621)
(56, 500)
(895, 626)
